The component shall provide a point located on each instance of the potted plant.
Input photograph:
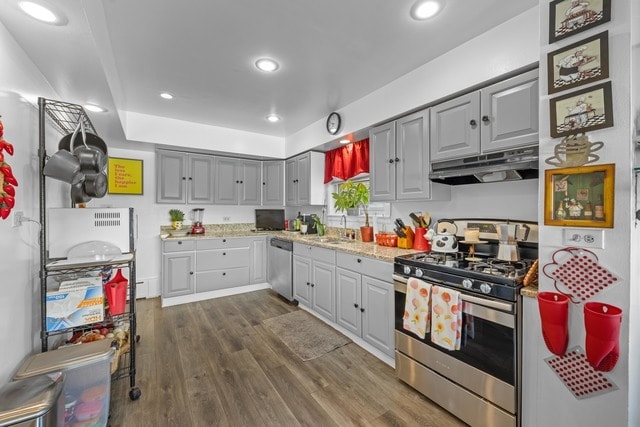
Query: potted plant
(177, 216)
(350, 196)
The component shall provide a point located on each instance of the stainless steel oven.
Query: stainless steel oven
(480, 382)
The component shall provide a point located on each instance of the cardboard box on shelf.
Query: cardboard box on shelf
(76, 303)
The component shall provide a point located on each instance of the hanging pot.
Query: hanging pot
(95, 185)
(66, 143)
(63, 166)
(78, 194)
(91, 159)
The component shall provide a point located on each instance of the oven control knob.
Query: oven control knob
(467, 283)
(407, 269)
(485, 288)
(419, 272)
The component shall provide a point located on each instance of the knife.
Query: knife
(399, 223)
(400, 233)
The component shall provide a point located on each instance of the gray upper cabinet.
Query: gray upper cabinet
(455, 127)
(510, 113)
(304, 179)
(273, 183)
(399, 159)
(184, 178)
(501, 116)
(237, 181)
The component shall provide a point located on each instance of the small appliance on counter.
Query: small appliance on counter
(310, 223)
(270, 219)
(197, 216)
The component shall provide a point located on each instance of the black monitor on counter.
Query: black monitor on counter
(269, 219)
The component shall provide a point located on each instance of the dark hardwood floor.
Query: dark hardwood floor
(214, 363)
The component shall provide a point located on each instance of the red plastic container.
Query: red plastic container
(116, 292)
(420, 242)
(602, 323)
(554, 314)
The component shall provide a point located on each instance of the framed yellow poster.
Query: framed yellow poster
(125, 176)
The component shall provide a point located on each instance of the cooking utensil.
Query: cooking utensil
(63, 166)
(400, 232)
(92, 140)
(444, 240)
(415, 219)
(91, 159)
(95, 185)
(78, 194)
(427, 219)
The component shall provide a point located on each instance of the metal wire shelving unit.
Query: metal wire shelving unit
(65, 117)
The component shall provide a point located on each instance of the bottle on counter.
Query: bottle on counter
(298, 221)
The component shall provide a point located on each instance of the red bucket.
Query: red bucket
(554, 314)
(116, 292)
(602, 323)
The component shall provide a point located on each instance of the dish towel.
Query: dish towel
(416, 308)
(446, 317)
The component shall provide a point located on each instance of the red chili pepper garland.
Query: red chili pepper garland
(7, 180)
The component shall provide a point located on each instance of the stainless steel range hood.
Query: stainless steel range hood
(507, 165)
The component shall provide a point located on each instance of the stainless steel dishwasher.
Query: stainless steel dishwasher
(280, 267)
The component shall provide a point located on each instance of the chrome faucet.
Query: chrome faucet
(344, 230)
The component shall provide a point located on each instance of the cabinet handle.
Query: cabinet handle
(355, 305)
(241, 182)
(224, 240)
(485, 119)
(359, 260)
(362, 310)
(312, 285)
(390, 160)
(308, 283)
(264, 183)
(473, 123)
(224, 274)
(190, 179)
(184, 178)
(224, 253)
(237, 182)
(191, 273)
(397, 160)
(179, 243)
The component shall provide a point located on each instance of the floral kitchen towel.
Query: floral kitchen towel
(446, 317)
(416, 307)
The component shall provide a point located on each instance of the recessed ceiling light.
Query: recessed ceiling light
(267, 65)
(42, 13)
(422, 9)
(344, 141)
(95, 108)
(273, 118)
(166, 95)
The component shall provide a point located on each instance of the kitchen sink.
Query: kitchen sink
(330, 240)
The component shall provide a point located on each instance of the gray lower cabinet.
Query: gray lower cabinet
(314, 279)
(184, 178)
(258, 252)
(498, 117)
(273, 183)
(365, 304)
(178, 267)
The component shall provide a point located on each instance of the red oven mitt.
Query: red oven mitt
(554, 314)
(602, 323)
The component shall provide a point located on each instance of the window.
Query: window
(376, 209)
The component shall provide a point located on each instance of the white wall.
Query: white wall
(19, 284)
(550, 403)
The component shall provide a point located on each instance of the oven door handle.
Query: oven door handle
(400, 285)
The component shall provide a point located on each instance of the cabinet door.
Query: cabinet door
(171, 177)
(510, 113)
(377, 320)
(291, 172)
(200, 179)
(348, 285)
(302, 280)
(455, 127)
(258, 265)
(249, 174)
(382, 162)
(177, 274)
(412, 148)
(226, 181)
(323, 289)
(303, 182)
(273, 183)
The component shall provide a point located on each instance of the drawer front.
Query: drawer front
(223, 242)
(222, 279)
(315, 252)
(222, 258)
(178, 245)
(381, 270)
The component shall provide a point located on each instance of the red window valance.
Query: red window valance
(347, 162)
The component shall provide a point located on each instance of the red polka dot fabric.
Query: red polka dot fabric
(580, 274)
(578, 376)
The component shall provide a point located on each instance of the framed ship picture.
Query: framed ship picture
(579, 64)
(581, 111)
(569, 17)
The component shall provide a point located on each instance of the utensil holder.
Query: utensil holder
(602, 323)
(420, 242)
(406, 242)
(116, 292)
(554, 316)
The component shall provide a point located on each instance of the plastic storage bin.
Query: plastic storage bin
(35, 401)
(87, 385)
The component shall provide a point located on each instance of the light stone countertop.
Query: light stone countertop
(355, 247)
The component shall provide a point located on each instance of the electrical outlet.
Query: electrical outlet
(17, 218)
(226, 218)
(583, 238)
